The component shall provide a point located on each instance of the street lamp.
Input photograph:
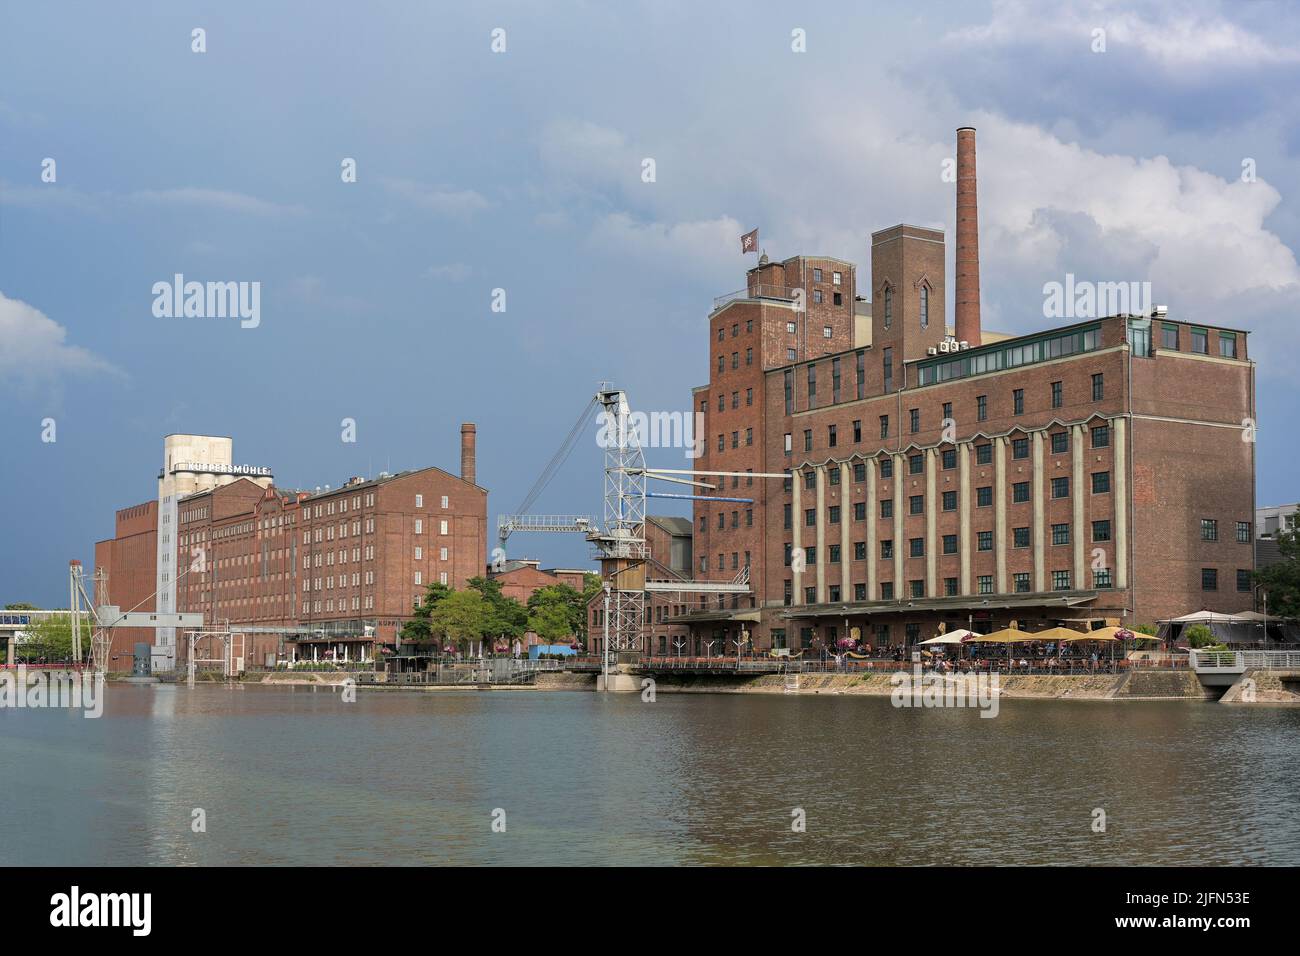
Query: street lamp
(606, 641)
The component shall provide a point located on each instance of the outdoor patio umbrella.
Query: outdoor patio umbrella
(952, 637)
(1008, 635)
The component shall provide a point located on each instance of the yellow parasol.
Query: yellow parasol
(1060, 634)
(1008, 635)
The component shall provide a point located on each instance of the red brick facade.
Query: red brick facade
(1075, 474)
(343, 566)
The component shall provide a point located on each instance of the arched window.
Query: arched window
(925, 305)
(889, 306)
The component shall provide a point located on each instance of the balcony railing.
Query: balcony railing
(760, 291)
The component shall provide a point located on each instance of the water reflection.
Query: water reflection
(293, 775)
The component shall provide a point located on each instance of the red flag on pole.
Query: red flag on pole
(749, 242)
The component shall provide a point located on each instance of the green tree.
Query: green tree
(1198, 636)
(591, 586)
(560, 609)
(417, 629)
(51, 639)
(551, 622)
(1281, 581)
(506, 619)
(459, 617)
(21, 606)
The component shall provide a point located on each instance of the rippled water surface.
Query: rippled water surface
(294, 775)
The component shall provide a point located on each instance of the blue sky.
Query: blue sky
(522, 170)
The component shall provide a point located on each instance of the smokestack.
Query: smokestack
(967, 297)
(467, 459)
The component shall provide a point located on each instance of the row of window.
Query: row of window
(993, 358)
(1060, 444)
(1020, 584)
(1020, 538)
(1210, 530)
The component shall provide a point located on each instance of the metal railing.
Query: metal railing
(1237, 661)
(759, 291)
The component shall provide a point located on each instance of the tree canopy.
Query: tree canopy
(1281, 581)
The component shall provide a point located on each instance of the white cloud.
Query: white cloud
(1173, 37)
(215, 199)
(441, 200)
(451, 271)
(703, 248)
(34, 349)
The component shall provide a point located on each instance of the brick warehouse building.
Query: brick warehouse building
(334, 571)
(1099, 470)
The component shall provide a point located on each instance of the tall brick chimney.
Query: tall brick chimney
(467, 457)
(966, 319)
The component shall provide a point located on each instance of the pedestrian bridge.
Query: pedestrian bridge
(1223, 668)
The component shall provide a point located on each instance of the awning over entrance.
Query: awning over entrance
(954, 605)
(706, 617)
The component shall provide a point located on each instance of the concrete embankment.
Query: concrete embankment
(1262, 686)
(1271, 687)
(1153, 685)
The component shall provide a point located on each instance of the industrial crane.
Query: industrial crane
(620, 544)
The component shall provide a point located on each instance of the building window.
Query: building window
(925, 306)
(884, 426)
(830, 436)
(887, 364)
(916, 464)
(947, 412)
(1098, 386)
(1100, 482)
(886, 468)
(1060, 534)
(982, 407)
(859, 472)
(949, 587)
(889, 306)
(859, 551)
(1019, 448)
(916, 504)
(984, 584)
(1020, 537)
(1243, 580)
(984, 497)
(886, 549)
(1227, 345)
(949, 544)
(887, 590)
(983, 454)
(914, 415)
(1101, 578)
(807, 439)
(857, 431)
(835, 278)
(886, 507)
(1209, 529)
(1101, 436)
(419, 526)
(918, 589)
(950, 501)
(790, 356)
(1057, 395)
(1060, 443)
(984, 540)
(1060, 580)
(949, 456)
(817, 295)
(827, 332)
(1243, 532)
(1209, 579)
(1200, 341)
(1169, 337)
(1020, 581)
(1017, 400)
(1060, 487)
(1101, 530)
(810, 517)
(1020, 492)
(833, 514)
(916, 547)
(817, 275)
(442, 527)
(444, 501)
